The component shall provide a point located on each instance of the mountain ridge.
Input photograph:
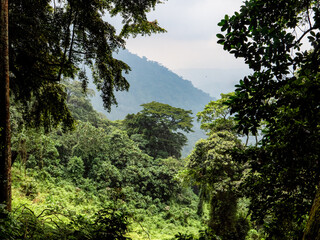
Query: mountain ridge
(149, 81)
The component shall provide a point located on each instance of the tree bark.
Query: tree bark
(5, 131)
(312, 231)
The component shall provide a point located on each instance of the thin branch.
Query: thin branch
(302, 36)
(143, 229)
(308, 14)
(54, 222)
(67, 30)
(47, 209)
(72, 38)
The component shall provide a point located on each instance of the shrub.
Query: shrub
(108, 223)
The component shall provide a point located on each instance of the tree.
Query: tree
(283, 93)
(212, 166)
(5, 132)
(49, 41)
(158, 129)
(216, 115)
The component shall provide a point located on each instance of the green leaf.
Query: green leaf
(219, 35)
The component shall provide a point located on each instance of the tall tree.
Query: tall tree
(50, 40)
(158, 129)
(283, 93)
(5, 143)
(212, 166)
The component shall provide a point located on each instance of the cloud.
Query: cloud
(190, 41)
(189, 53)
(193, 19)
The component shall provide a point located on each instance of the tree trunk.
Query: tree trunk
(5, 131)
(312, 231)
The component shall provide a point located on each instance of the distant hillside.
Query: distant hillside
(149, 81)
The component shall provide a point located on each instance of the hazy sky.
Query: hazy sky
(190, 43)
(191, 38)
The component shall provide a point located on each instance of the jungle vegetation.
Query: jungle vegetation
(77, 175)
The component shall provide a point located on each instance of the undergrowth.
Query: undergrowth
(45, 207)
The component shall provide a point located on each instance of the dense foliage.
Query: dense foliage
(212, 167)
(108, 223)
(91, 182)
(216, 116)
(102, 153)
(282, 94)
(50, 39)
(43, 42)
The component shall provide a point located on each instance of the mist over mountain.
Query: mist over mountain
(214, 80)
(150, 81)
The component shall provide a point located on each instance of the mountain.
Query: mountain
(150, 81)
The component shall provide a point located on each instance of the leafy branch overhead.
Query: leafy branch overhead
(269, 35)
(54, 39)
(134, 16)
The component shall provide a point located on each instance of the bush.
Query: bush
(29, 188)
(108, 223)
(75, 169)
(9, 227)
